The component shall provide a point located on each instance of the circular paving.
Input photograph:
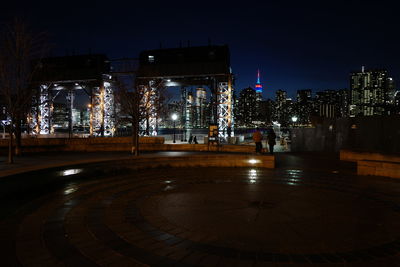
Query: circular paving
(211, 217)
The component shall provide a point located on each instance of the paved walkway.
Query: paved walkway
(312, 210)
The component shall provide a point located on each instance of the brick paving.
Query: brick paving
(312, 210)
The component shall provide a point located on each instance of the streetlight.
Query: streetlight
(294, 119)
(174, 117)
(89, 110)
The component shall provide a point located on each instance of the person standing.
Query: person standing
(195, 140)
(271, 137)
(257, 138)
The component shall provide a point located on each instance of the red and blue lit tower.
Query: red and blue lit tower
(258, 84)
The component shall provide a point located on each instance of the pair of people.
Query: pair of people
(257, 138)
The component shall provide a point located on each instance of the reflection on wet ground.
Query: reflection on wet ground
(105, 214)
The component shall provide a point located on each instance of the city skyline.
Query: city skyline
(296, 45)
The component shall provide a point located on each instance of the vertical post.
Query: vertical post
(174, 117)
(70, 98)
(10, 144)
(230, 107)
(90, 111)
(183, 112)
(174, 133)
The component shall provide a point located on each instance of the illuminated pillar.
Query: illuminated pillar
(97, 111)
(44, 110)
(225, 108)
(33, 117)
(149, 97)
(108, 109)
(70, 101)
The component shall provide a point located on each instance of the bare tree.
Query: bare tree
(129, 98)
(137, 103)
(18, 47)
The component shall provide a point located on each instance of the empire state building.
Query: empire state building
(258, 84)
(259, 87)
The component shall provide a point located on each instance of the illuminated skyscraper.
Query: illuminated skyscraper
(303, 107)
(371, 92)
(258, 84)
(258, 89)
(247, 108)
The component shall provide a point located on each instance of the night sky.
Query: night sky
(296, 45)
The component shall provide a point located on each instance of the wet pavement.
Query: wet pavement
(312, 210)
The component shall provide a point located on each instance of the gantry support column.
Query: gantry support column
(97, 111)
(148, 108)
(33, 116)
(102, 113)
(225, 108)
(109, 116)
(70, 104)
(44, 110)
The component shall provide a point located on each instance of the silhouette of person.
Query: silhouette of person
(257, 137)
(190, 139)
(195, 140)
(271, 140)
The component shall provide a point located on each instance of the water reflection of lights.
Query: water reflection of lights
(253, 176)
(70, 172)
(169, 187)
(294, 173)
(254, 161)
(293, 181)
(70, 190)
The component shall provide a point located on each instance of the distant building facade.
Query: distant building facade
(332, 103)
(304, 106)
(283, 107)
(247, 112)
(371, 93)
(396, 102)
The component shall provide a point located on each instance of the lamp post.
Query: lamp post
(294, 120)
(174, 117)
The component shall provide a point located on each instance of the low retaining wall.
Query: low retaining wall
(378, 168)
(208, 160)
(348, 155)
(98, 144)
(369, 163)
(81, 144)
(154, 161)
(197, 147)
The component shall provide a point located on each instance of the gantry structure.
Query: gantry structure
(66, 76)
(182, 67)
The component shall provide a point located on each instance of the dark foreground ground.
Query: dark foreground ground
(312, 210)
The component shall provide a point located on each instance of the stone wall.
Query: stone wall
(116, 144)
(81, 144)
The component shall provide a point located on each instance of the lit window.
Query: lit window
(151, 58)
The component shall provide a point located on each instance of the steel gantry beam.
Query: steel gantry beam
(101, 107)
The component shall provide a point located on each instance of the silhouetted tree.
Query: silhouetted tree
(137, 104)
(18, 47)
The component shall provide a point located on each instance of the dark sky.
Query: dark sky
(296, 45)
